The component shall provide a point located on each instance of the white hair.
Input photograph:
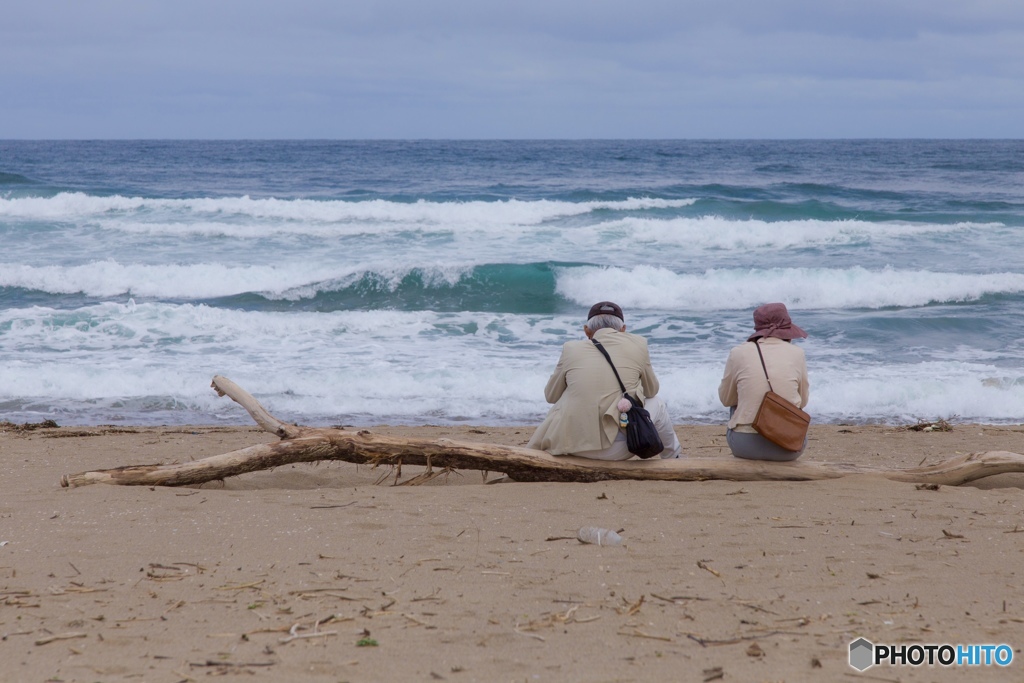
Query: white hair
(599, 322)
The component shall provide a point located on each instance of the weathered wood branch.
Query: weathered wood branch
(225, 387)
(309, 444)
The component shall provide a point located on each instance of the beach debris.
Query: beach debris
(758, 608)
(219, 664)
(631, 609)
(755, 650)
(678, 599)
(703, 565)
(927, 487)
(637, 633)
(161, 572)
(535, 636)
(716, 673)
(937, 426)
(27, 426)
(329, 507)
(293, 632)
(240, 586)
(705, 642)
(418, 622)
(598, 536)
(60, 636)
(552, 619)
(76, 433)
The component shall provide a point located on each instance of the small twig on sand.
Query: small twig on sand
(241, 586)
(703, 565)
(295, 635)
(637, 633)
(60, 636)
(676, 598)
(704, 642)
(530, 635)
(758, 608)
(230, 665)
(630, 610)
(713, 674)
(874, 678)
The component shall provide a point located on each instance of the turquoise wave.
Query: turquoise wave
(508, 288)
(552, 288)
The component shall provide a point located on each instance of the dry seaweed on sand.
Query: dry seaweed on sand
(6, 426)
(939, 425)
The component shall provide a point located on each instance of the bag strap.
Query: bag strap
(604, 352)
(761, 356)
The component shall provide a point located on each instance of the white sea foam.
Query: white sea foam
(884, 392)
(109, 278)
(400, 365)
(246, 218)
(199, 211)
(715, 232)
(154, 362)
(650, 287)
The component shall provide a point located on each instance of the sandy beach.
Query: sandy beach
(328, 572)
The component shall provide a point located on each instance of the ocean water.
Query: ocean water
(434, 282)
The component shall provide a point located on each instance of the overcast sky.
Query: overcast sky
(350, 69)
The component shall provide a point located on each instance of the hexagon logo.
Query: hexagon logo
(861, 654)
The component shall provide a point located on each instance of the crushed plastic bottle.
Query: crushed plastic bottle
(598, 536)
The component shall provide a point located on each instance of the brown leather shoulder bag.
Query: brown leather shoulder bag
(778, 420)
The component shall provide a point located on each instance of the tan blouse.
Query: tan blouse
(744, 384)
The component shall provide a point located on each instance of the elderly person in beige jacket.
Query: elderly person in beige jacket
(584, 419)
(744, 383)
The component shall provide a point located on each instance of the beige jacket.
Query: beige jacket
(744, 383)
(584, 392)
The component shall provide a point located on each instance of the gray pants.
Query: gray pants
(755, 447)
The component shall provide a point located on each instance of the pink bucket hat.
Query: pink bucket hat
(772, 320)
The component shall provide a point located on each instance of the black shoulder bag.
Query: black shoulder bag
(642, 438)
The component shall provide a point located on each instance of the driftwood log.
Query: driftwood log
(309, 444)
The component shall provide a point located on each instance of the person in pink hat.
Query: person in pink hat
(744, 383)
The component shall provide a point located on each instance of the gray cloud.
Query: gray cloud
(398, 68)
